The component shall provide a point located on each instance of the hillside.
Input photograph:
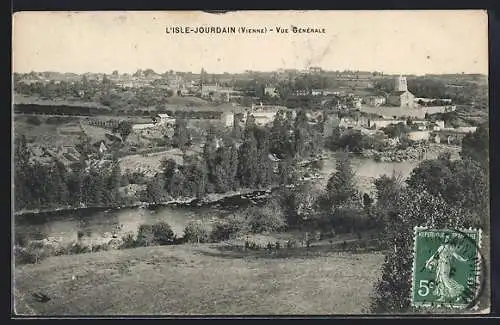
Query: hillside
(202, 279)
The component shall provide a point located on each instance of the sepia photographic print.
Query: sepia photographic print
(250, 163)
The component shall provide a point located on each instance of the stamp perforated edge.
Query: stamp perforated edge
(478, 263)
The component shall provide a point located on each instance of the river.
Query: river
(97, 223)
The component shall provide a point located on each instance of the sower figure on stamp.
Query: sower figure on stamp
(446, 287)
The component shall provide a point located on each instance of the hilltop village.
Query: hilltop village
(426, 109)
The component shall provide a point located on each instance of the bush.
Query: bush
(20, 239)
(266, 219)
(348, 220)
(77, 248)
(148, 235)
(136, 178)
(100, 247)
(226, 229)
(145, 235)
(196, 232)
(26, 256)
(128, 241)
(163, 233)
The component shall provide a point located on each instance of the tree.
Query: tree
(388, 190)
(155, 192)
(280, 137)
(84, 147)
(196, 174)
(476, 146)
(367, 201)
(114, 182)
(396, 131)
(341, 185)
(181, 138)
(248, 154)
(462, 183)
(168, 166)
(124, 128)
(21, 172)
(60, 175)
(196, 232)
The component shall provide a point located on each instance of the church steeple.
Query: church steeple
(400, 84)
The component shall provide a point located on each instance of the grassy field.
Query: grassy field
(192, 279)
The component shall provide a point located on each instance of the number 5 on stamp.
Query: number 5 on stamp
(446, 267)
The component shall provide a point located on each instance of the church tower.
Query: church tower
(400, 84)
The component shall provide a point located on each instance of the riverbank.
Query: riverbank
(208, 199)
(412, 153)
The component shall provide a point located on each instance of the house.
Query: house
(420, 125)
(419, 135)
(317, 92)
(348, 122)
(433, 101)
(466, 129)
(227, 119)
(449, 135)
(375, 100)
(357, 102)
(102, 148)
(271, 91)
(315, 70)
(143, 126)
(438, 125)
(301, 92)
(207, 90)
(382, 123)
(332, 92)
(164, 119)
(262, 117)
(275, 162)
(264, 114)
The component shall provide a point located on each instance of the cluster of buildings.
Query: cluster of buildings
(262, 115)
(160, 120)
(219, 93)
(357, 96)
(420, 130)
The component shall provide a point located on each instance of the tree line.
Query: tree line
(440, 193)
(40, 185)
(249, 157)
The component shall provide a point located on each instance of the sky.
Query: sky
(393, 42)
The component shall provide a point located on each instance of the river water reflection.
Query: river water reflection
(98, 223)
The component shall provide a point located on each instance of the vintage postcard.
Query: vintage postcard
(250, 163)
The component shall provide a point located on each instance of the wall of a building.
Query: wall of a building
(419, 135)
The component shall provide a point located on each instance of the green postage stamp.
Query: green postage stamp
(446, 267)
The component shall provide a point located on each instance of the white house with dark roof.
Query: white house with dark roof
(164, 119)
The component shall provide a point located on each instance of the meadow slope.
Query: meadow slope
(197, 279)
